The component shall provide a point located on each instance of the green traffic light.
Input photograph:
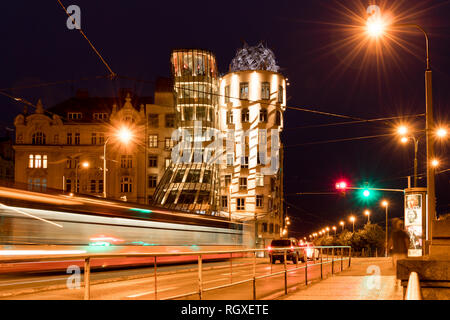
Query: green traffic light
(366, 193)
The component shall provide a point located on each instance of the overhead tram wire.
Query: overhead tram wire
(112, 74)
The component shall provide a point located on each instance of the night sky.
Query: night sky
(311, 41)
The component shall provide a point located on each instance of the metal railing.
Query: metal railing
(413, 291)
(336, 256)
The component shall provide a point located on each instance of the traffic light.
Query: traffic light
(366, 193)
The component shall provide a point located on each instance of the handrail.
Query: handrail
(89, 257)
(413, 291)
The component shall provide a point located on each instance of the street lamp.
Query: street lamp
(124, 135)
(375, 31)
(386, 205)
(328, 231)
(85, 165)
(334, 228)
(403, 131)
(342, 223)
(367, 213)
(352, 220)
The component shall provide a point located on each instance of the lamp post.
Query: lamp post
(402, 131)
(124, 135)
(386, 205)
(352, 220)
(342, 223)
(367, 213)
(376, 28)
(334, 229)
(85, 165)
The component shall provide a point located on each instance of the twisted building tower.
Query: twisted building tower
(192, 180)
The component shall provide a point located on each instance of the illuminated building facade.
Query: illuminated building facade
(52, 145)
(252, 103)
(192, 180)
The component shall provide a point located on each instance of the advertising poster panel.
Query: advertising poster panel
(414, 223)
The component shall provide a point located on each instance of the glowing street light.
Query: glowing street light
(402, 131)
(334, 229)
(84, 165)
(352, 220)
(435, 163)
(342, 223)
(367, 213)
(441, 132)
(385, 204)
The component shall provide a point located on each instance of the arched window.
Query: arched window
(38, 138)
(126, 185)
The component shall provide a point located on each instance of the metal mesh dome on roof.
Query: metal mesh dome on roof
(254, 58)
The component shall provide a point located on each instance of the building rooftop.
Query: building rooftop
(258, 57)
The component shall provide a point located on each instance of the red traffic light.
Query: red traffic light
(342, 185)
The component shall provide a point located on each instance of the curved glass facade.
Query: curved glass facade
(193, 183)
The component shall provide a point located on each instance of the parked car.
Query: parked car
(294, 253)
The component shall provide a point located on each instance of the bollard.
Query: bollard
(349, 256)
(87, 279)
(321, 265)
(285, 272)
(231, 268)
(332, 261)
(200, 280)
(342, 259)
(254, 277)
(155, 276)
(306, 269)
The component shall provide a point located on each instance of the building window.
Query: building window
(153, 120)
(265, 91)
(170, 120)
(68, 185)
(100, 186)
(263, 115)
(271, 228)
(56, 139)
(244, 162)
(93, 186)
(100, 116)
(168, 144)
(264, 227)
(243, 89)
(201, 113)
(126, 185)
(167, 163)
(227, 94)
(188, 113)
(243, 183)
(94, 138)
(259, 201)
(69, 138)
(245, 115)
(37, 161)
(153, 141)
(74, 115)
(230, 159)
(278, 118)
(152, 161)
(240, 204)
(259, 180)
(152, 181)
(77, 138)
(280, 94)
(126, 161)
(38, 138)
(224, 201)
(270, 204)
(227, 180)
(101, 138)
(230, 117)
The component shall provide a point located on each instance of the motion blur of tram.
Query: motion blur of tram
(33, 223)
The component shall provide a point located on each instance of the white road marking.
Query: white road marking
(149, 292)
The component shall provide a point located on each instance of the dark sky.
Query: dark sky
(310, 39)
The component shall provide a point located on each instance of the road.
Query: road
(139, 284)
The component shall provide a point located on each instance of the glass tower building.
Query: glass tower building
(191, 181)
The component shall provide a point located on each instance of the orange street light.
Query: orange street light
(385, 204)
(367, 213)
(352, 220)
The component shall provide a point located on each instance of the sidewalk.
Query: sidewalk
(367, 279)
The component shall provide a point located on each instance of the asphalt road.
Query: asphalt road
(139, 284)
